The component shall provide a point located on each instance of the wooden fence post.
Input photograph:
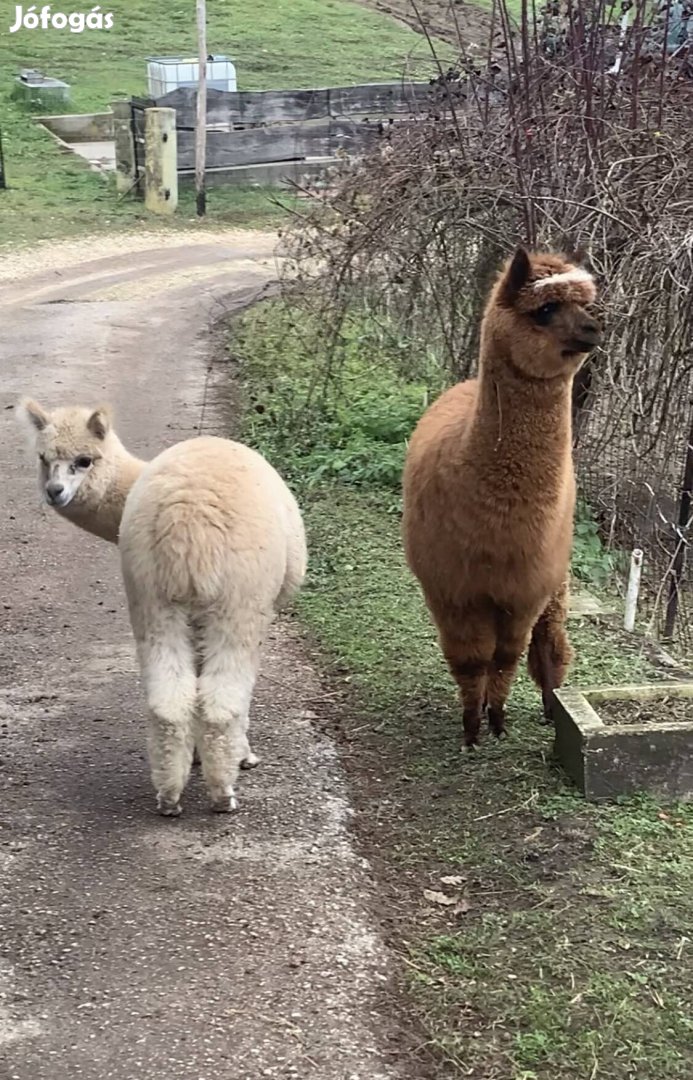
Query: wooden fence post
(160, 161)
(126, 163)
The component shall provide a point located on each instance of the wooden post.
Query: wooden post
(126, 162)
(3, 182)
(201, 118)
(160, 161)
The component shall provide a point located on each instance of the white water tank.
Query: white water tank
(167, 73)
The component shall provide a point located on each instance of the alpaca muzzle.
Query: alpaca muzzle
(587, 337)
(57, 495)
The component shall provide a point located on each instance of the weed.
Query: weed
(345, 418)
(592, 562)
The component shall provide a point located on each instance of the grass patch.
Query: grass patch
(296, 43)
(562, 948)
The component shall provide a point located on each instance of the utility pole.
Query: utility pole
(201, 118)
(3, 183)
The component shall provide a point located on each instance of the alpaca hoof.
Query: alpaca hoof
(546, 719)
(496, 722)
(470, 745)
(547, 702)
(250, 761)
(167, 807)
(225, 805)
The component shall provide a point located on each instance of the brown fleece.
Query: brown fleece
(489, 491)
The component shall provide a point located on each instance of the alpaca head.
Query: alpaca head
(76, 449)
(538, 316)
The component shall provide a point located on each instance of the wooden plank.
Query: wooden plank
(374, 100)
(355, 137)
(379, 100)
(248, 107)
(278, 174)
(257, 145)
(280, 142)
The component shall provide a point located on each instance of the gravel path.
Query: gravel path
(132, 946)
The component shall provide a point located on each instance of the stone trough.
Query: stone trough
(608, 757)
(90, 135)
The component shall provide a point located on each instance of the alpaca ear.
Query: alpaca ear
(31, 413)
(516, 277)
(99, 423)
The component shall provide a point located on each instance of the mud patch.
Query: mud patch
(460, 24)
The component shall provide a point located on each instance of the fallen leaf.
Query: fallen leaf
(439, 898)
(462, 907)
(454, 880)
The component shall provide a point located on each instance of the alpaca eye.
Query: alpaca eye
(543, 315)
(43, 459)
(83, 462)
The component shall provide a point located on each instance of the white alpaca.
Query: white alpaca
(212, 544)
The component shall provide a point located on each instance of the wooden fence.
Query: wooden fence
(276, 136)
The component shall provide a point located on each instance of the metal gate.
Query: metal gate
(137, 110)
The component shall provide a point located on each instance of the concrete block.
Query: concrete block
(608, 760)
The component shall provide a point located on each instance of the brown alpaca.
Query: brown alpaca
(489, 490)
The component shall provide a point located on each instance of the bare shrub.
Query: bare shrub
(580, 138)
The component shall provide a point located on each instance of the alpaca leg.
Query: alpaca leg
(168, 671)
(225, 686)
(468, 648)
(225, 689)
(511, 643)
(249, 759)
(550, 653)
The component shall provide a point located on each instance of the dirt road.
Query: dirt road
(133, 946)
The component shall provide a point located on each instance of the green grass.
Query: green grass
(566, 954)
(573, 954)
(292, 43)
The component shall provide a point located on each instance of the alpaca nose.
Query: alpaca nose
(591, 333)
(591, 328)
(54, 490)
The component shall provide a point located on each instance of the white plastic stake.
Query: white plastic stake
(633, 590)
(625, 19)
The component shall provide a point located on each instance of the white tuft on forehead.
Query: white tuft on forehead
(567, 277)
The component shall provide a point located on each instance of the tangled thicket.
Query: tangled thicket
(580, 138)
